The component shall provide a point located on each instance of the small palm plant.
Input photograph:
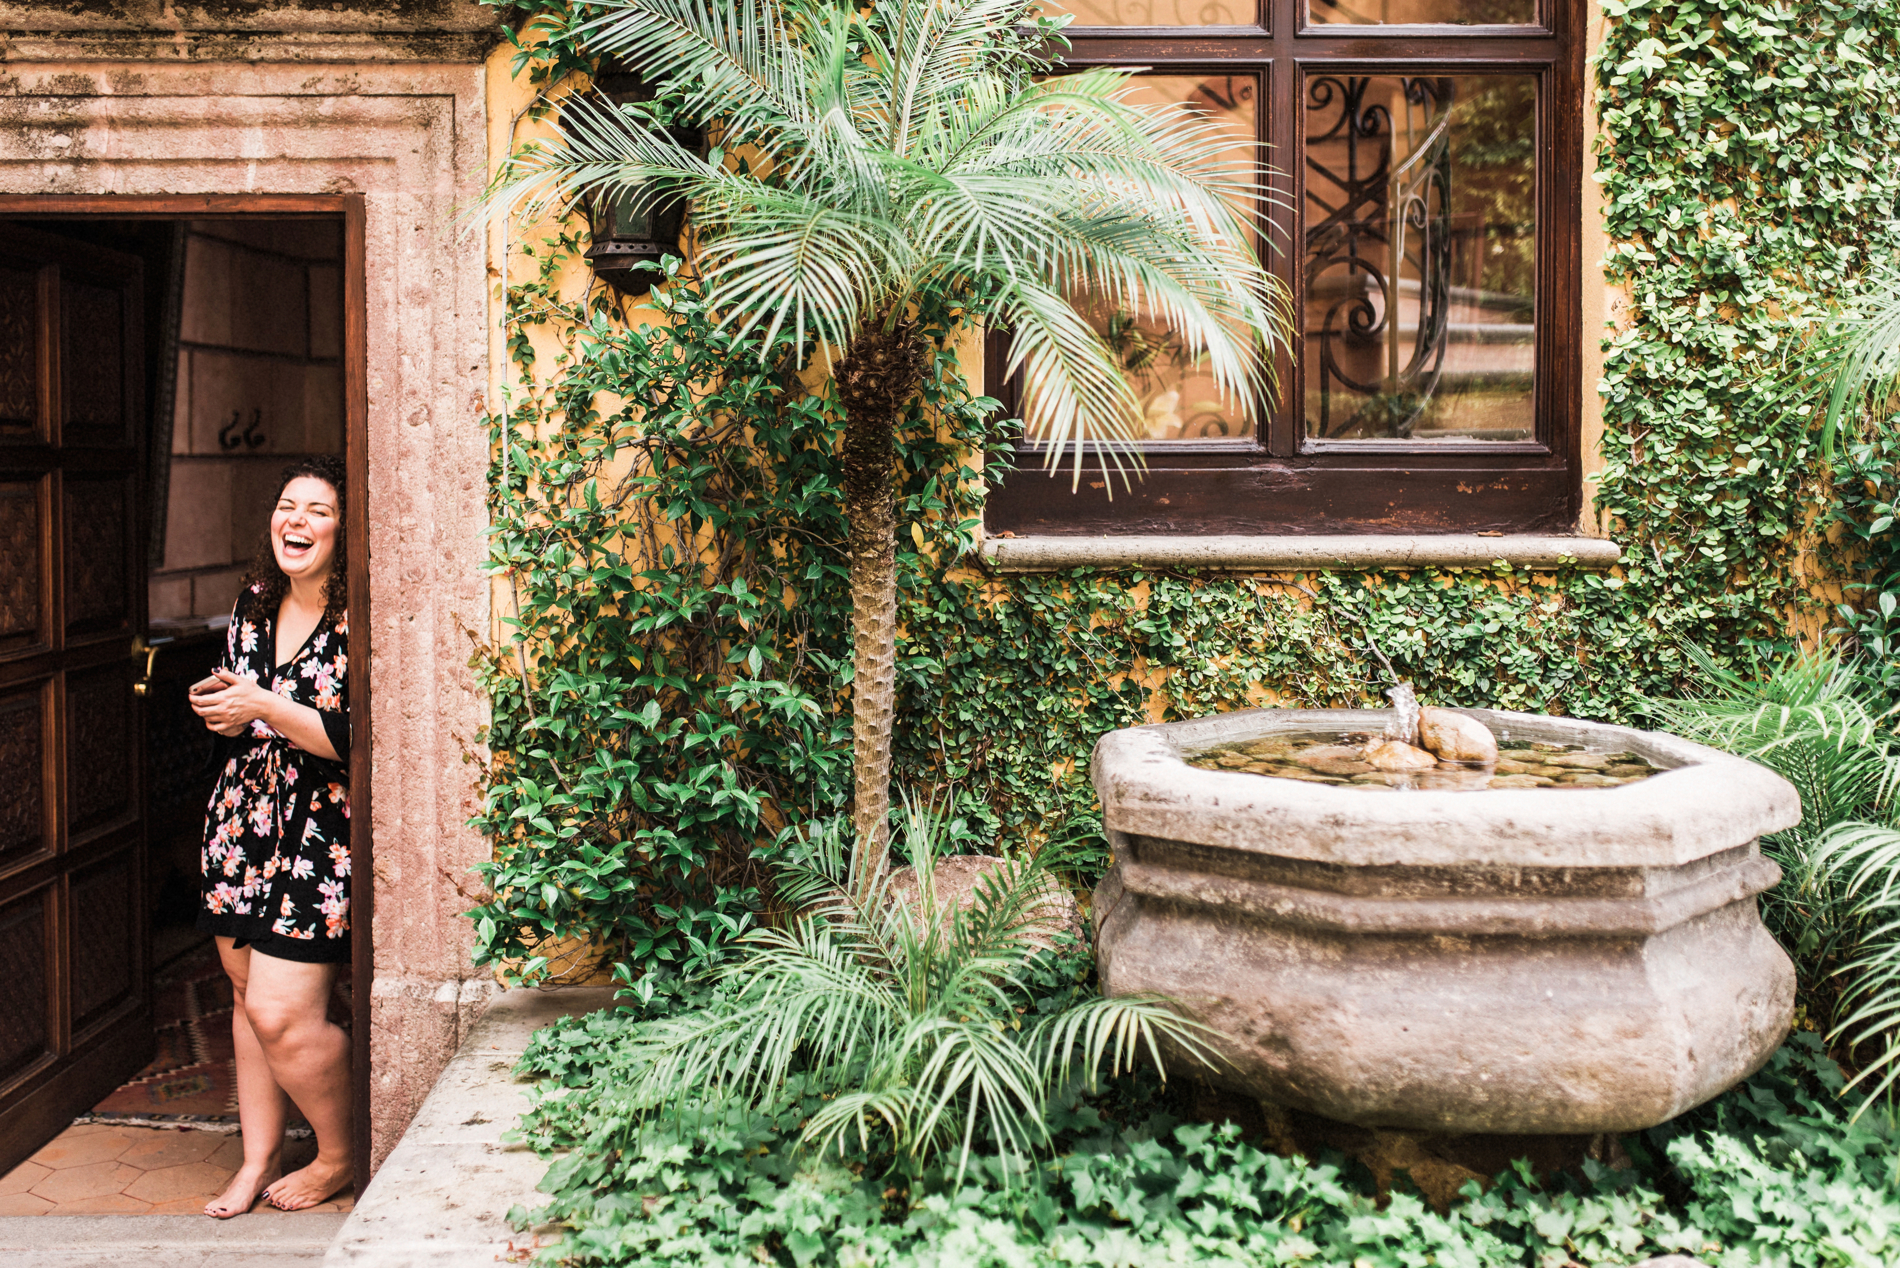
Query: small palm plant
(876, 159)
(909, 1015)
(1823, 724)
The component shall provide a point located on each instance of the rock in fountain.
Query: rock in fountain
(1522, 960)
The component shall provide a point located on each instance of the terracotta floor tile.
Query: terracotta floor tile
(229, 1154)
(163, 1184)
(109, 1204)
(78, 1147)
(171, 1149)
(94, 1180)
(22, 1178)
(23, 1204)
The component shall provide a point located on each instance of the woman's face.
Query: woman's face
(303, 529)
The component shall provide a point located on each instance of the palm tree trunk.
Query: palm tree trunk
(875, 382)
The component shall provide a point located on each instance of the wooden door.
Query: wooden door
(75, 997)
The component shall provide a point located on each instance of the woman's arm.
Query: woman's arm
(242, 701)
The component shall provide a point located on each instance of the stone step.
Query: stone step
(166, 1241)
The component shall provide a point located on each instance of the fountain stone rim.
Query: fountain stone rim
(1704, 802)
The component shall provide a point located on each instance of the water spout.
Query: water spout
(1404, 724)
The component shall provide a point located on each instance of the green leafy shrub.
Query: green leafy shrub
(667, 698)
(911, 1023)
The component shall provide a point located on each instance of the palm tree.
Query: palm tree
(872, 159)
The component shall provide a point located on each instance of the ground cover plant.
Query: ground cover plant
(1776, 1172)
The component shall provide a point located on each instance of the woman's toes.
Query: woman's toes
(318, 1182)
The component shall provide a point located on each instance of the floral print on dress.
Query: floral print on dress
(276, 856)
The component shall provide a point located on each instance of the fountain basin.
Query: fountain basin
(1516, 961)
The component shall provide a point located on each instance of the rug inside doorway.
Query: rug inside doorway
(191, 1081)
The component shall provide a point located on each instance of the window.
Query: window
(1428, 157)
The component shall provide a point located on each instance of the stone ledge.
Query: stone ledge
(166, 1241)
(1284, 554)
(443, 1194)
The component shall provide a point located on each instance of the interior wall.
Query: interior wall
(259, 383)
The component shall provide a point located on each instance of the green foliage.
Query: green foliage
(667, 698)
(1745, 168)
(1826, 726)
(907, 1015)
(1774, 1173)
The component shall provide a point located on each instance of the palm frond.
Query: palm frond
(738, 59)
(1072, 1044)
(1866, 358)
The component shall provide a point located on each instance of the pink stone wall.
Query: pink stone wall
(410, 136)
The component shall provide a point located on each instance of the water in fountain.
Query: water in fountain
(1339, 758)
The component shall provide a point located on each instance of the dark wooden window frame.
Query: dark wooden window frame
(350, 209)
(1281, 484)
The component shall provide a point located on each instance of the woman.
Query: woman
(277, 843)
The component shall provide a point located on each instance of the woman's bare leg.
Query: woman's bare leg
(262, 1105)
(288, 1006)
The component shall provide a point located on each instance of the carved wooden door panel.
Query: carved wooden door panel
(75, 1006)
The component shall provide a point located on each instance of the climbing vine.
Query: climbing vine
(669, 689)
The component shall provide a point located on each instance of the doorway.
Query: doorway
(233, 330)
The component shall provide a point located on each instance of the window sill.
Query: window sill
(1283, 554)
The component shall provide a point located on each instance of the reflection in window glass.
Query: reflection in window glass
(1156, 12)
(1420, 257)
(1424, 12)
(1179, 400)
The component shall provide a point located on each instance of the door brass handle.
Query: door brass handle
(149, 649)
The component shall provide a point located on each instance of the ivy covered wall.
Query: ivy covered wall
(1746, 158)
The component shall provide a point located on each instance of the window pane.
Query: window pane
(1179, 400)
(1157, 12)
(1424, 12)
(1420, 257)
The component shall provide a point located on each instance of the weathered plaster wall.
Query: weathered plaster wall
(410, 136)
(244, 30)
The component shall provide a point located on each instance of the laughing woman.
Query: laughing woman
(277, 843)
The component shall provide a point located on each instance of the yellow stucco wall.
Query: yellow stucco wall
(1603, 304)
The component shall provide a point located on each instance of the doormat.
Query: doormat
(191, 1081)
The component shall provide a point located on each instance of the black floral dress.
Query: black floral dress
(276, 857)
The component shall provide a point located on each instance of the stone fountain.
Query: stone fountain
(1558, 960)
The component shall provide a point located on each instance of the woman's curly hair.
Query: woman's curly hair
(264, 572)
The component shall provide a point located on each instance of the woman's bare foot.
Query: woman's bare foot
(246, 1186)
(318, 1182)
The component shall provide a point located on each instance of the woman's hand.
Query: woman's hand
(235, 705)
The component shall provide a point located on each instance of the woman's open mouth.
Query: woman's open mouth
(295, 546)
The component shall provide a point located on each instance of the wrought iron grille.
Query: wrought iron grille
(1376, 229)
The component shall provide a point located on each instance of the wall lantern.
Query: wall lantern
(629, 231)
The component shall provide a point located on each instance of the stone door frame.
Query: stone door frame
(397, 149)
